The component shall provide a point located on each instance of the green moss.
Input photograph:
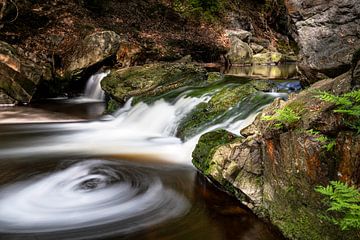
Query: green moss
(205, 113)
(301, 220)
(206, 10)
(206, 147)
(111, 106)
(214, 77)
(151, 80)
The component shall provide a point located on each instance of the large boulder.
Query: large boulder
(327, 32)
(239, 52)
(274, 170)
(19, 76)
(93, 49)
(151, 80)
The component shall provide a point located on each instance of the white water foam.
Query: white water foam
(88, 194)
(143, 129)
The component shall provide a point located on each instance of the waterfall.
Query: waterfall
(142, 129)
(93, 89)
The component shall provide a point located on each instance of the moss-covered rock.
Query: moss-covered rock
(209, 113)
(151, 80)
(274, 171)
(206, 147)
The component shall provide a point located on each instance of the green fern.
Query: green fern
(345, 201)
(337, 100)
(283, 116)
(347, 104)
(329, 143)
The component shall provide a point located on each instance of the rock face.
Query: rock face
(19, 77)
(95, 48)
(274, 170)
(327, 32)
(151, 80)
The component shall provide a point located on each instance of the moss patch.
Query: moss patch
(209, 113)
(206, 147)
(151, 80)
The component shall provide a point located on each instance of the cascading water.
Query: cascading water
(93, 89)
(95, 194)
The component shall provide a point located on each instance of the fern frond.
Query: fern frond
(355, 95)
(344, 200)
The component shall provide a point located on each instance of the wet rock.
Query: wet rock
(19, 76)
(151, 80)
(327, 32)
(240, 52)
(93, 49)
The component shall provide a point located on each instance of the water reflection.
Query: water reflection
(284, 71)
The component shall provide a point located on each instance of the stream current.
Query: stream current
(125, 176)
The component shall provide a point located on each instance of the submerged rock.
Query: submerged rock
(19, 76)
(274, 170)
(327, 32)
(151, 80)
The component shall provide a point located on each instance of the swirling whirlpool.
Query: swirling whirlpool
(88, 194)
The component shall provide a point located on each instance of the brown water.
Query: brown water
(55, 193)
(125, 178)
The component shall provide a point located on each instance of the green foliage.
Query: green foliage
(208, 10)
(283, 116)
(343, 200)
(313, 132)
(348, 104)
(329, 143)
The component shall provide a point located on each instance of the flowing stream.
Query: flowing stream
(93, 89)
(125, 176)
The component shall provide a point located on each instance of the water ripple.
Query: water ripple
(87, 194)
